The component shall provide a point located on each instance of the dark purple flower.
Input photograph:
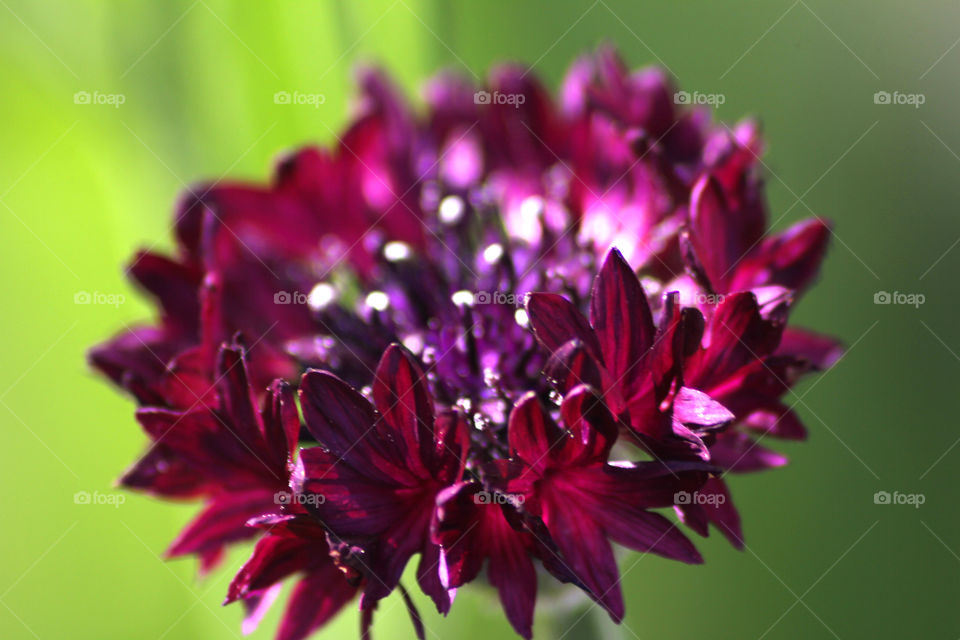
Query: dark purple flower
(734, 254)
(475, 526)
(379, 470)
(234, 456)
(637, 365)
(584, 501)
(657, 318)
(292, 546)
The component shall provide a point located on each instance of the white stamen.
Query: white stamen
(463, 298)
(396, 251)
(451, 209)
(321, 295)
(378, 300)
(493, 253)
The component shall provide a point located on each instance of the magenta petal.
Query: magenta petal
(257, 606)
(400, 394)
(727, 219)
(471, 531)
(281, 552)
(512, 573)
(650, 532)
(738, 452)
(821, 351)
(691, 406)
(694, 517)
(318, 597)
(532, 433)
(428, 577)
(588, 554)
(572, 365)
(224, 520)
(162, 472)
(737, 336)
(458, 532)
(777, 420)
(343, 421)
(592, 428)
(790, 259)
(135, 360)
(714, 233)
(173, 284)
(722, 512)
(281, 422)
(556, 321)
(621, 317)
(237, 398)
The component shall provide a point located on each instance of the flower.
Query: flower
(292, 545)
(454, 335)
(638, 365)
(585, 501)
(379, 471)
(235, 457)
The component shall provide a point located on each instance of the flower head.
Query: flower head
(500, 333)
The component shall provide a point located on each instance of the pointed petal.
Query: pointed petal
(428, 577)
(822, 352)
(224, 520)
(650, 532)
(691, 406)
(512, 573)
(592, 427)
(277, 555)
(343, 421)
(737, 336)
(237, 396)
(281, 422)
(777, 420)
(401, 396)
(720, 235)
(585, 549)
(738, 452)
(722, 512)
(621, 317)
(572, 365)
(531, 431)
(257, 607)
(161, 472)
(790, 259)
(316, 599)
(556, 321)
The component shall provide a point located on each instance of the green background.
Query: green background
(81, 186)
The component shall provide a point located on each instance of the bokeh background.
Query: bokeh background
(83, 185)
